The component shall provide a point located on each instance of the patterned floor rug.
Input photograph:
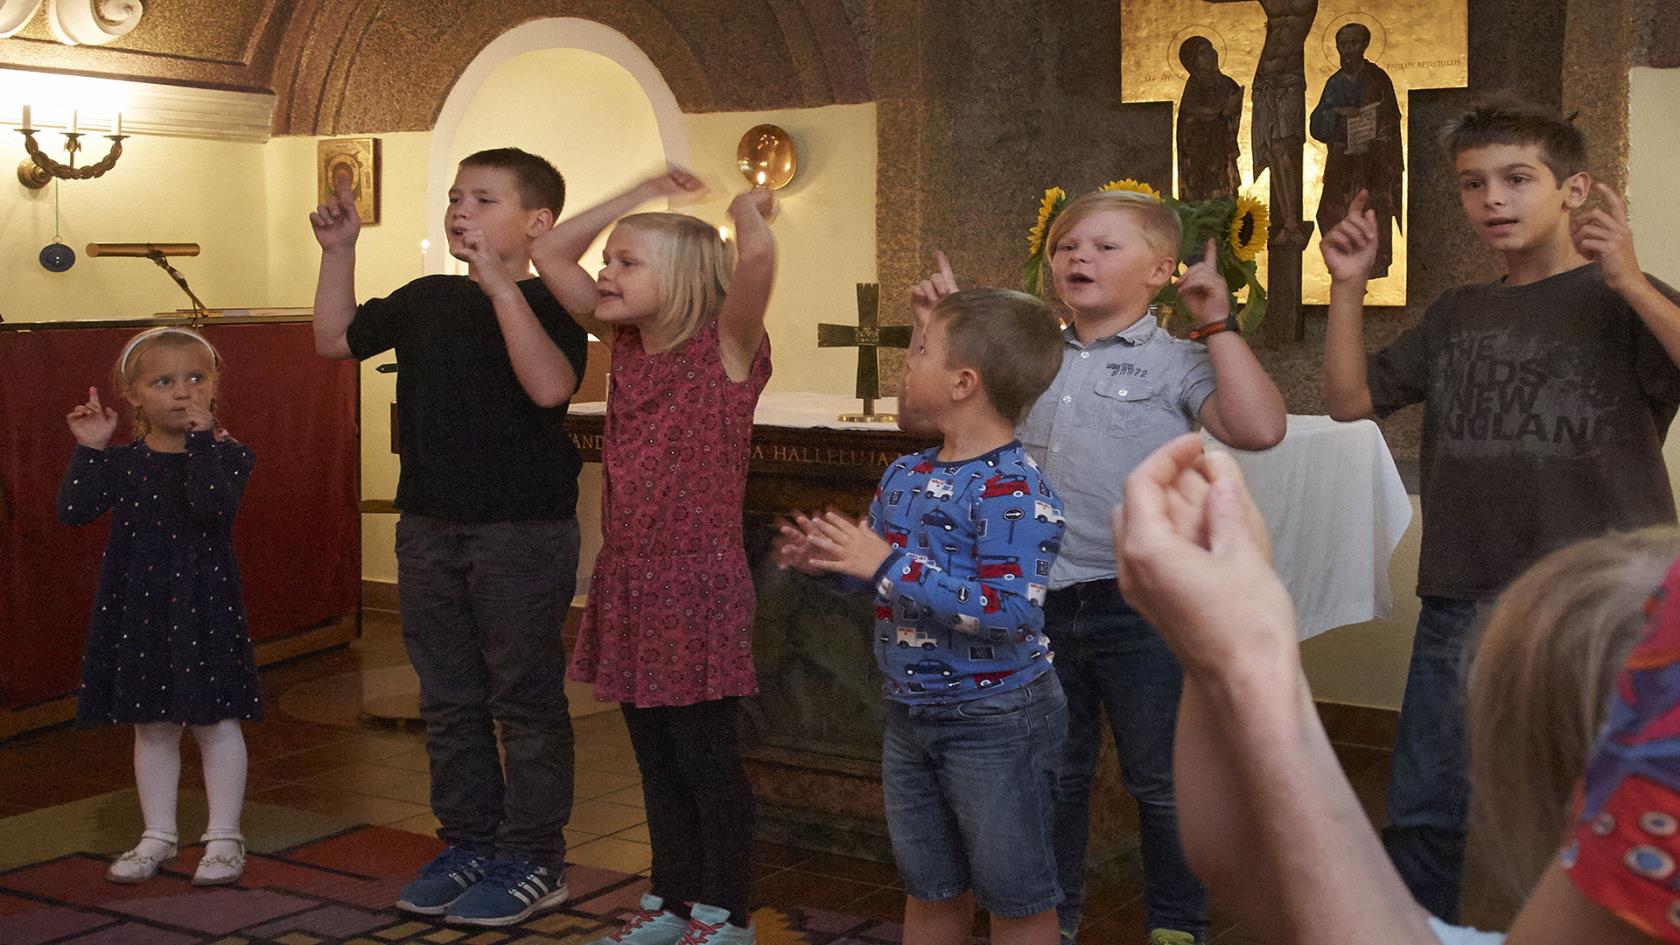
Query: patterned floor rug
(333, 891)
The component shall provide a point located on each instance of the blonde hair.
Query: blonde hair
(1543, 674)
(692, 267)
(127, 369)
(1158, 224)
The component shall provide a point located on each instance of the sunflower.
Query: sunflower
(1248, 227)
(1135, 186)
(1054, 198)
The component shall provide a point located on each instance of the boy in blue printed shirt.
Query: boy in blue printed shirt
(958, 545)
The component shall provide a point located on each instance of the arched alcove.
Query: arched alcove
(579, 93)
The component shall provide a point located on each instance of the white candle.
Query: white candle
(26, 116)
(424, 246)
(72, 121)
(116, 126)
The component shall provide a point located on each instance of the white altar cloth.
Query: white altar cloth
(1336, 508)
(1330, 495)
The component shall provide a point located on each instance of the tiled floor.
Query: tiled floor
(317, 766)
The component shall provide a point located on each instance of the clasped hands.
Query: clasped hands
(1194, 558)
(830, 543)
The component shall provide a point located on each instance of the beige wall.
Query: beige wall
(162, 190)
(825, 229)
(1366, 664)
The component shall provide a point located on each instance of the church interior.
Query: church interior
(918, 127)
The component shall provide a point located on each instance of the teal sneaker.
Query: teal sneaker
(652, 924)
(442, 881)
(511, 891)
(709, 925)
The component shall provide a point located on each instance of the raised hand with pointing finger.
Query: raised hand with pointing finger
(1350, 248)
(1202, 289)
(335, 222)
(925, 294)
(92, 423)
(1602, 235)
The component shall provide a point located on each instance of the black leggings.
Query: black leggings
(699, 804)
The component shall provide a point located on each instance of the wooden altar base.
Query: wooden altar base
(813, 734)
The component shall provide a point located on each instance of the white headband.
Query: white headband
(122, 362)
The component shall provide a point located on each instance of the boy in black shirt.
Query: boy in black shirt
(487, 544)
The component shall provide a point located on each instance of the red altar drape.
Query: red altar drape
(297, 535)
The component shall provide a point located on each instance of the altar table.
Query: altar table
(1331, 496)
(1329, 493)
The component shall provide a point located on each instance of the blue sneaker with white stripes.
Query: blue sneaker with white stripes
(511, 891)
(442, 881)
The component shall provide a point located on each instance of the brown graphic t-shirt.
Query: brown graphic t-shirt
(1545, 408)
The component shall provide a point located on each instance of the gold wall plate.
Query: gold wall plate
(766, 157)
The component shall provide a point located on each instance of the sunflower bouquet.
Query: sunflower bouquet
(1236, 224)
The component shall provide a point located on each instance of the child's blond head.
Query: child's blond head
(1544, 671)
(1009, 338)
(691, 266)
(131, 362)
(1158, 224)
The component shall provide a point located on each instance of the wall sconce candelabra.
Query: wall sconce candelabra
(38, 170)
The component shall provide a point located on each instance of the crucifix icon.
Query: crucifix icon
(1422, 44)
(868, 336)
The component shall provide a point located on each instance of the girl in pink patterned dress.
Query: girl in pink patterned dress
(668, 629)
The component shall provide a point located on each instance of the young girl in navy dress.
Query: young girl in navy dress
(167, 646)
(668, 629)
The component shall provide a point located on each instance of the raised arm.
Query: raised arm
(1268, 818)
(86, 490)
(544, 372)
(924, 295)
(336, 228)
(1350, 249)
(741, 320)
(556, 253)
(1604, 236)
(1246, 409)
(217, 471)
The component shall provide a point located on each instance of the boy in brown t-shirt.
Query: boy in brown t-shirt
(1546, 396)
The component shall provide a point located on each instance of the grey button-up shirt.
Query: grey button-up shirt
(1112, 404)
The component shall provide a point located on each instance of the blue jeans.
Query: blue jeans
(968, 789)
(1110, 659)
(1428, 787)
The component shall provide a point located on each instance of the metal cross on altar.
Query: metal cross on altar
(868, 336)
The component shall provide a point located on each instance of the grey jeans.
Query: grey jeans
(482, 608)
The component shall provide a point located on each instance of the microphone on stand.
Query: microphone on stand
(142, 249)
(157, 253)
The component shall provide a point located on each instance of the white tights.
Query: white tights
(157, 776)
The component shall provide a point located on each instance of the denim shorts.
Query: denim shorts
(970, 796)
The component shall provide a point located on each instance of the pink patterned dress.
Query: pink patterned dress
(669, 619)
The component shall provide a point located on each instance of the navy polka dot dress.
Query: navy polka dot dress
(167, 641)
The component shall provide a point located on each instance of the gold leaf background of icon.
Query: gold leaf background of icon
(1421, 44)
(354, 159)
